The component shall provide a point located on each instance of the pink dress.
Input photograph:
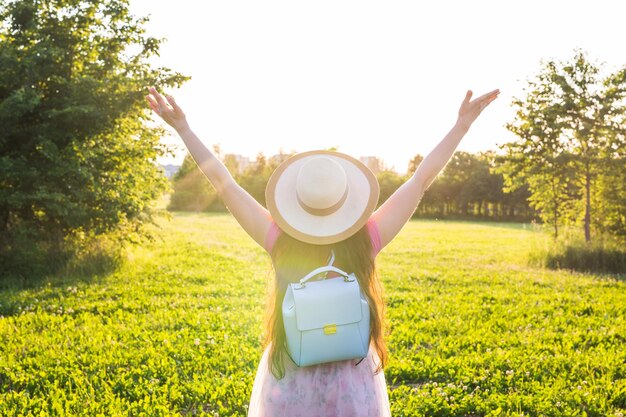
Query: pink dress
(326, 390)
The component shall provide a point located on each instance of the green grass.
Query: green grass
(176, 329)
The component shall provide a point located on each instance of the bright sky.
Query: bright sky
(378, 78)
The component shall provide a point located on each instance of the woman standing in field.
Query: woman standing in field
(319, 203)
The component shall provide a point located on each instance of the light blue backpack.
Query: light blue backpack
(326, 320)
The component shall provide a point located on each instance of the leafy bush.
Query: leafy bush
(76, 154)
(604, 254)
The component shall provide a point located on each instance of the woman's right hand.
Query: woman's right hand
(471, 109)
(168, 110)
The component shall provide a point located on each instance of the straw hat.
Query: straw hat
(321, 197)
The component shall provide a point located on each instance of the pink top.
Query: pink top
(372, 228)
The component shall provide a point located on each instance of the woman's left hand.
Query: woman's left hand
(471, 109)
(167, 109)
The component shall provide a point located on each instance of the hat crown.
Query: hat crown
(321, 197)
(321, 183)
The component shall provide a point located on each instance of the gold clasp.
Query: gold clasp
(330, 329)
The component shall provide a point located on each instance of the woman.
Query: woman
(320, 205)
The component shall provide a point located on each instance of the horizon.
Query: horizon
(384, 167)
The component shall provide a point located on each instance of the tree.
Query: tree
(477, 189)
(562, 127)
(483, 187)
(611, 185)
(254, 178)
(76, 157)
(536, 157)
(470, 186)
(489, 185)
(389, 182)
(192, 191)
(473, 188)
(455, 179)
(584, 107)
(414, 163)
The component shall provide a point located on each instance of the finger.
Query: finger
(173, 103)
(483, 102)
(488, 95)
(468, 97)
(153, 103)
(486, 103)
(158, 97)
(492, 98)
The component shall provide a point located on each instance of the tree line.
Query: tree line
(468, 187)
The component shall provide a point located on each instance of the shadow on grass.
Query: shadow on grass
(604, 257)
(30, 274)
(24, 270)
(482, 223)
(600, 262)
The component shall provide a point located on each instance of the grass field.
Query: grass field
(176, 329)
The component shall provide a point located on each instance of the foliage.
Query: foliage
(76, 160)
(470, 187)
(177, 328)
(413, 164)
(467, 188)
(610, 195)
(389, 182)
(570, 251)
(570, 145)
(610, 198)
(192, 191)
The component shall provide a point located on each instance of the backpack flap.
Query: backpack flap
(333, 301)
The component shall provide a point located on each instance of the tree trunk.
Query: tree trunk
(587, 205)
(4, 229)
(556, 209)
(556, 220)
(556, 229)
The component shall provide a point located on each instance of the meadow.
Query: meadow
(176, 328)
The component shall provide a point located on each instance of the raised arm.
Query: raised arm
(251, 215)
(392, 215)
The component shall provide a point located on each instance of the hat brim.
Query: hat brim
(292, 218)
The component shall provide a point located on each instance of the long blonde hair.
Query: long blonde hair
(292, 259)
